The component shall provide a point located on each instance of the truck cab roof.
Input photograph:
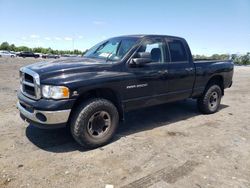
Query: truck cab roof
(151, 35)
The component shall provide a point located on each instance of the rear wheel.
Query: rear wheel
(209, 102)
(94, 123)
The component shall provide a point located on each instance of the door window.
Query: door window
(154, 49)
(177, 51)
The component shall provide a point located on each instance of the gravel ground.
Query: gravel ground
(170, 145)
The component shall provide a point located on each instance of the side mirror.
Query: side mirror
(141, 59)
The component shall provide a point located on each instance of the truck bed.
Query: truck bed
(205, 69)
(209, 61)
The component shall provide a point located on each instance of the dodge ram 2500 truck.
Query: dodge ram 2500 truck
(90, 94)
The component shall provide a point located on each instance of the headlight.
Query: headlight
(55, 92)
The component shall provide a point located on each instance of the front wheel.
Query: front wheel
(94, 123)
(209, 102)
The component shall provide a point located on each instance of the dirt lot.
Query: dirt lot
(171, 145)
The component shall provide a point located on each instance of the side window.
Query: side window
(154, 49)
(177, 51)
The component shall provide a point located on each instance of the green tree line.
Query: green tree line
(240, 59)
(243, 59)
(12, 47)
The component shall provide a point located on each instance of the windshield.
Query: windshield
(111, 50)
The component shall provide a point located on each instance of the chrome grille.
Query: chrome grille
(30, 83)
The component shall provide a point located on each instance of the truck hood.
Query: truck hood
(74, 71)
(68, 66)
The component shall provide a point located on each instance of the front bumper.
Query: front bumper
(44, 119)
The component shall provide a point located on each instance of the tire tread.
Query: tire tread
(202, 102)
(80, 115)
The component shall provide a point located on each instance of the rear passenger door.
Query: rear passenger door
(181, 71)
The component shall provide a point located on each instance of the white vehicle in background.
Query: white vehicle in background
(40, 55)
(5, 53)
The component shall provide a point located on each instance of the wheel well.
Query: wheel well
(216, 80)
(104, 93)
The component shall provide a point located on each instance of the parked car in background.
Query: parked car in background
(73, 55)
(65, 55)
(45, 56)
(5, 53)
(40, 55)
(28, 54)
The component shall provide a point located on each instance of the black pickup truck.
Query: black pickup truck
(91, 94)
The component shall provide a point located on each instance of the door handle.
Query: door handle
(163, 72)
(189, 69)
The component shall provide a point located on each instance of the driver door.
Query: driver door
(149, 81)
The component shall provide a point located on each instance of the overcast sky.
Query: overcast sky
(211, 26)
